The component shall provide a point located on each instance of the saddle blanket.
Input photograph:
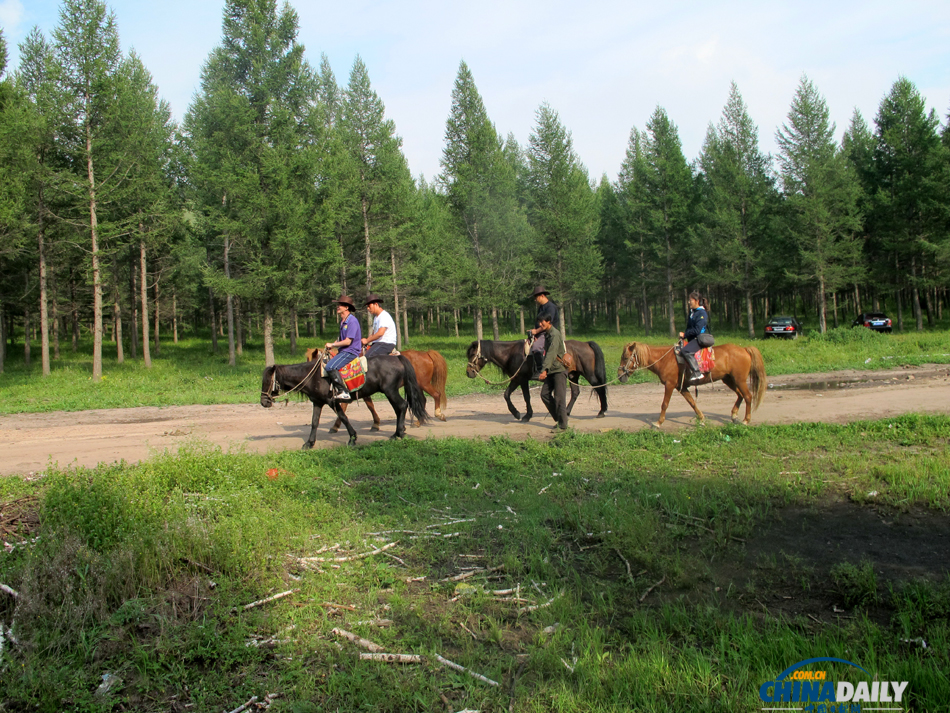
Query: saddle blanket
(354, 374)
(707, 359)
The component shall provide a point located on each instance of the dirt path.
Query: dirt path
(29, 442)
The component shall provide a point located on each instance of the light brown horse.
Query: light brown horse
(735, 366)
(431, 373)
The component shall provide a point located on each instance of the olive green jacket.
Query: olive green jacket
(553, 349)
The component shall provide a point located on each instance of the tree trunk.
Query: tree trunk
(494, 323)
(748, 312)
(268, 334)
(44, 315)
(133, 300)
(915, 294)
(117, 312)
(369, 271)
(26, 336)
(96, 271)
(158, 345)
(238, 328)
(214, 322)
(293, 331)
(143, 298)
(174, 317)
(392, 262)
(405, 325)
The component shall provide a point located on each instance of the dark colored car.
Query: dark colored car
(878, 321)
(786, 327)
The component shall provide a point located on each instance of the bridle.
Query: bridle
(473, 362)
(634, 361)
(274, 390)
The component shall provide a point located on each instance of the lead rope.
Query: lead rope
(478, 369)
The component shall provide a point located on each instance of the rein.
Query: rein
(478, 370)
(274, 385)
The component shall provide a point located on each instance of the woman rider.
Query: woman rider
(697, 324)
(349, 344)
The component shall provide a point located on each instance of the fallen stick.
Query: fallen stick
(358, 640)
(652, 588)
(375, 622)
(535, 607)
(259, 602)
(472, 573)
(350, 558)
(392, 658)
(453, 522)
(245, 706)
(334, 605)
(457, 667)
(629, 571)
(10, 590)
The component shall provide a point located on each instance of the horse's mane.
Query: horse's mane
(644, 354)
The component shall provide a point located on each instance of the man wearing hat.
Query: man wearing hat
(554, 375)
(349, 344)
(383, 339)
(546, 308)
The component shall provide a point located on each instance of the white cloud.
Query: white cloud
(11, 14)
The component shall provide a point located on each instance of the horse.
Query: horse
(383, 375)
(431, 373)
(583, 359)
(735, 366)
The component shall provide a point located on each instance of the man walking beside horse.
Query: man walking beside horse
(554, 374)
(546, 308)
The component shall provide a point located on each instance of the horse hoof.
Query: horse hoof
(333, 430)
(306, 446)
(735, 419)
(397, 436)
(525, 418)
(374, 427)
(701, 422)
(601, 415)
(352, 442)
(655, 424)
(441, 416)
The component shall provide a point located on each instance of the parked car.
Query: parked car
(782, 326)
(878, 321)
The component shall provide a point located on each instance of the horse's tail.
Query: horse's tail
(440, 374)
(600, 372)
(413, 392)
(757, 374)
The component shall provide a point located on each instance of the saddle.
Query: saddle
(354, 374)
(706, 358)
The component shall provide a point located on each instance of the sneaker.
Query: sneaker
(343, 396)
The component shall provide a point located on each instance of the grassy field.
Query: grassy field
(609, 572)
(188, 373)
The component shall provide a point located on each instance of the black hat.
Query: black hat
(373, 297)
(346, 300)
(540, 290)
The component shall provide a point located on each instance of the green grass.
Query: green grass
(188, 373)
(142, 572)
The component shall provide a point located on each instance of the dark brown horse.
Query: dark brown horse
(583, 359)
(431, 373)
(385, 374)
(736, 366)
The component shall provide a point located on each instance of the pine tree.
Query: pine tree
(910, 204)
(252, 138)
(821, 194)
(562, 211)
(634, 214)
(668, 194)
(482, 190)
(736, 187)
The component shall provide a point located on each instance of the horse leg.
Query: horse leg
(575, 390)
(526, 392)
(437, 400)
(511, 407)
(400, 406)
(336, 424)
(340, 409)
(731, 383)
(670, 387)
(425, 403)
(368, 400)
(314, 423)
(692, 402)
(741, 387)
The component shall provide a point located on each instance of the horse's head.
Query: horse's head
(317, 354)
(629, 361)
(476, 360)
(270, 389)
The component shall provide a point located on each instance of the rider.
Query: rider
(349, 344)
(383, 339)
(554, 375)
(546, 308)
(697, 324)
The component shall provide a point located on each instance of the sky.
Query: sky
(604, 66)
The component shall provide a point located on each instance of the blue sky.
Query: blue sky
(604, 66)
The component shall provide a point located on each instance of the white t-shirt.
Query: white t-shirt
(384, 319)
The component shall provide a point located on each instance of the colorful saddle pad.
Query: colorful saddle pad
(354, 374)
(706, 359)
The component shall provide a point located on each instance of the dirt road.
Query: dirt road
(29, 442)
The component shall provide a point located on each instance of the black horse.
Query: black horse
(586, 359)
(384, 374)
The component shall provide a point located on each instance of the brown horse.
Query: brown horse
(431, 373)
(735, 366)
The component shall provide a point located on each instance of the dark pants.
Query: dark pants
(689, 351)
(380, 349)
(556, 404)
(536, 353)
